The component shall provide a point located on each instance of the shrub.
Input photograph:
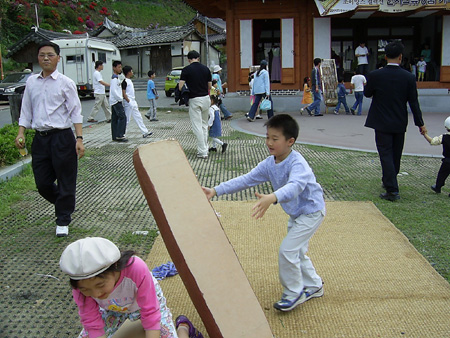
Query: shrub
(9, 154)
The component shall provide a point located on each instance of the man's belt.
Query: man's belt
(49, 132)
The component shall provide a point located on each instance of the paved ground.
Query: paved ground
(37, 300)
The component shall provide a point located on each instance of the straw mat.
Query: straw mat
(376, 283)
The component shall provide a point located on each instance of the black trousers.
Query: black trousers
(55, 159)
(118, 121)
(390, 148)
(444, 172)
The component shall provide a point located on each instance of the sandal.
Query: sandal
(193, 332)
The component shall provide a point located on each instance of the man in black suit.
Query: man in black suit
(391, 88)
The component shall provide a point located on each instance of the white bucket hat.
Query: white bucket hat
(88, 257)
(217, 68)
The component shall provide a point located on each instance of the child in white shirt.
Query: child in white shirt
(215, 126)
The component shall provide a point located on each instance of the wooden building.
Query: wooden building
(290, 34)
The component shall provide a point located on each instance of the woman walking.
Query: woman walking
(261, 89)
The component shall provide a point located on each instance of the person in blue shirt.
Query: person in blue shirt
(300, 196)
(152, 96)
(341, 92)
(261, 90)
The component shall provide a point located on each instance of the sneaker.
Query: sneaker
(62, 231)
(246, 114)
(147, 116)
(193, 332)
(258, 117)
(301, 111)
(315, 294)
(249, 119)
(154, 120)
(212, 149)
(353, 111)
(287, 305)
(147, 134)
(436, 190)
(308, 111)
(336, 113)
(224, 147)
(92, 121)
(202, 156)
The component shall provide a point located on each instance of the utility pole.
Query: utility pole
(206, 40)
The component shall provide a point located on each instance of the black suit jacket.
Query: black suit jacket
(391, 88)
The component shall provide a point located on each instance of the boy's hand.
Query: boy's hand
(209, 192)
(265, 201)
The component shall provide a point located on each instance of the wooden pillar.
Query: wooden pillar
(232, 54)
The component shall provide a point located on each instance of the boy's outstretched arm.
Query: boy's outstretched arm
(209, 192)
(265, 201)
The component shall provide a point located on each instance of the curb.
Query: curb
(10, 171)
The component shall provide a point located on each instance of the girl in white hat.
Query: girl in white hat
(110, 287)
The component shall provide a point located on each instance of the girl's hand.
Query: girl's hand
(209, 192)
(265, 201)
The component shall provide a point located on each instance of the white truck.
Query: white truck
(78, 58)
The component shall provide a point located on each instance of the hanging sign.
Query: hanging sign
(331, 7)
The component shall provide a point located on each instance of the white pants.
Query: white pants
(132, 109)
(216, 141)
(100, 101)
(199, 114)
(296, 270)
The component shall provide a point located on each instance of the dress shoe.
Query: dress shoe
(390, 196)
(436, 190)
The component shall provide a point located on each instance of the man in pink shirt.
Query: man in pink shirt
(51, 105)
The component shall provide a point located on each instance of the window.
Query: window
(102, 57)
(132, 51)
(75, 58)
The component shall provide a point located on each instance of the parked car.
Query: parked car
(172, 80)
(13, 82)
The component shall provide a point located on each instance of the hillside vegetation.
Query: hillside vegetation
(18, 16)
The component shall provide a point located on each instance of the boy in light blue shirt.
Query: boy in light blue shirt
(300, 196)
(152, 96)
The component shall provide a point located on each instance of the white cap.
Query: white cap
(88, 257)
(447, 123)
(217, 68)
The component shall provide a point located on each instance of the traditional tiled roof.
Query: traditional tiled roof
(114, 28)
(216, 24)
(39, 35)
(152, 36)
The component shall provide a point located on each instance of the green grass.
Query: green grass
(145, 13)
(237, 135)
(12, 191)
